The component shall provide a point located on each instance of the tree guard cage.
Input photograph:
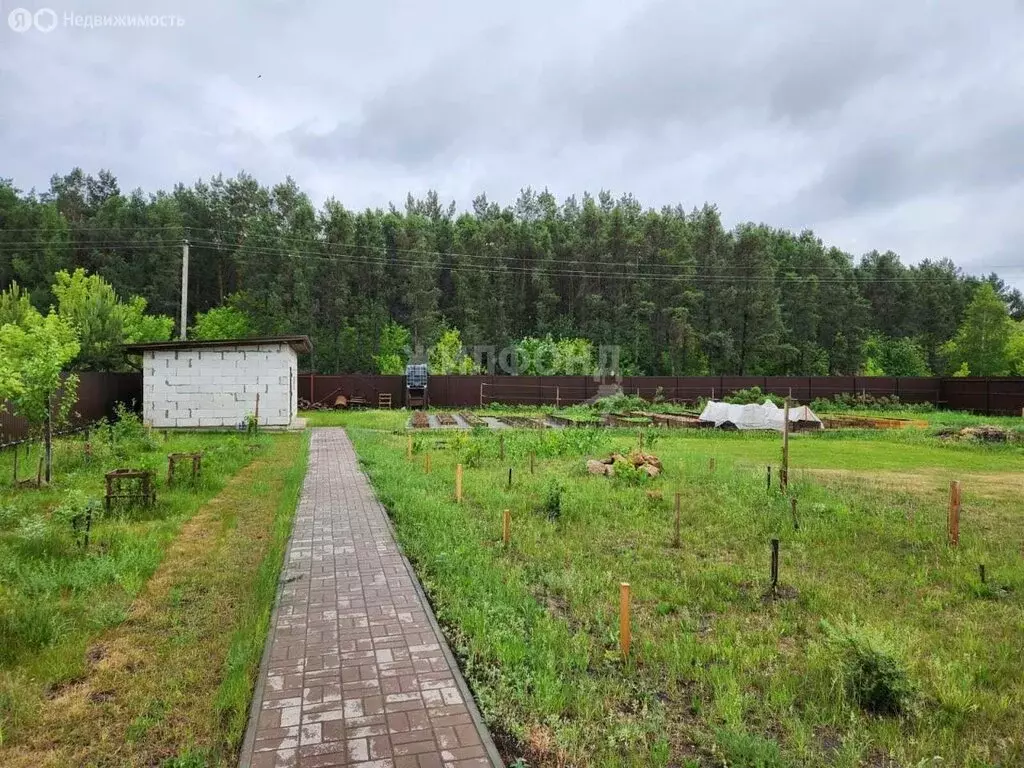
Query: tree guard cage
(416, 386)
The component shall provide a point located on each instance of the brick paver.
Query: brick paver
(356, 673)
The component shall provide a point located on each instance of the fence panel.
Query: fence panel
(98, 396)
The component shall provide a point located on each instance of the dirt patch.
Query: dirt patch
(927, 481)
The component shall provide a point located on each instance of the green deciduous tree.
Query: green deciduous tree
(448, 355)
(34, 355)
(894, 357)
(103, 323)
(225, 322)
(393, 350)
(982, 342)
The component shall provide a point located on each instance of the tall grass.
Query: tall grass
(722, 672)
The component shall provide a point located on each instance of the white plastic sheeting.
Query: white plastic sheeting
(767, 415)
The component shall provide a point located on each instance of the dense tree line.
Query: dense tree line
(680, 292)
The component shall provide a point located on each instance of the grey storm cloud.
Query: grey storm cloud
(879, 125)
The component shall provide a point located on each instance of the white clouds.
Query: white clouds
(877, 124)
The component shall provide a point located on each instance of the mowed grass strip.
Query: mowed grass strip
(171, 685)
(720, 673)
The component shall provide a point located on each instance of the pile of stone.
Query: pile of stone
(646, 462)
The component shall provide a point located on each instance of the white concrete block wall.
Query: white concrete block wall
(217, 386)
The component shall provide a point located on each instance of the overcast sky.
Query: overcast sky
(895, 125)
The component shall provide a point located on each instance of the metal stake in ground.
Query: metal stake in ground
(792, 508)
(769, 477)
(775, 566)
(510, 477)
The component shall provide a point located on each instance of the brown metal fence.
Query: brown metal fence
(98, 395)
(993, 396)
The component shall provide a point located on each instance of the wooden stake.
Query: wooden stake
(792, 508)
(953, 524)
(426, 462)
(711, 464)
(784, 469)
(39, 473)
(481, 394)
(532, 457)
(679, 505)
(458, 483)
(506, 527)
(625, 633)
(775, 565)
(981, 572)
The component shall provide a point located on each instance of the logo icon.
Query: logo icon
(45, 19)
(20, 20)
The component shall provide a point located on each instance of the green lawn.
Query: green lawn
(143, 645)
(719, 672)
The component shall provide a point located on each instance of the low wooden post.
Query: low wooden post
(481, 394)
(532, 458)
(953, 523)
(679, 505)
(775, 565)
(981, 572)
(792, 508)
(711, 464)
(426, 462)
(458, 483)
(408, 448)
(625, 630)
(506, 527)
(784, 469)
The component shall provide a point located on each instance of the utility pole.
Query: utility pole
(184, 288)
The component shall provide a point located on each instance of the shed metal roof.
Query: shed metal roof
(300, 344)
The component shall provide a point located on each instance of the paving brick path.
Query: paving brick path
(357, 673)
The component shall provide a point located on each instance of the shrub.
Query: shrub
(754, 395)
(626, 474)
(553, 500)
(872, 673)
(850, 401)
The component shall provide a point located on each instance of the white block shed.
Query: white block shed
(215, 384)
